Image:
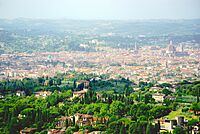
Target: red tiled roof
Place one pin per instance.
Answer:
(28, 130)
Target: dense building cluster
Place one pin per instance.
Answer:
(171, 64)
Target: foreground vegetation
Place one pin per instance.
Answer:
(127, 110)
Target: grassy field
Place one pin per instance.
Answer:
(187, 115)
(186, 99)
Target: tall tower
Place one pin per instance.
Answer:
(166, 64)
(171, 50)
(136, 46)
(170, 43)
(182, 49)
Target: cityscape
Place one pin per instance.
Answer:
(100, 67)
(148, 63)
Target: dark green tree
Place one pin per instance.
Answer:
(179, 130)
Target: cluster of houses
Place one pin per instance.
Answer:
(67, 121)
(78, 119)
(38, 94)
(179, 121)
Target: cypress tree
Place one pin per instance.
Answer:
(148, 129)
(122, 130)
(198, 92)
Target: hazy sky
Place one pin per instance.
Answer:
(101, 9)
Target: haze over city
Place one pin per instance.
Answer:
(99, 66)
(100, 9)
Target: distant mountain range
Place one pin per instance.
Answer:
(55, 35)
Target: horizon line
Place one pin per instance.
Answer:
(152, 19)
